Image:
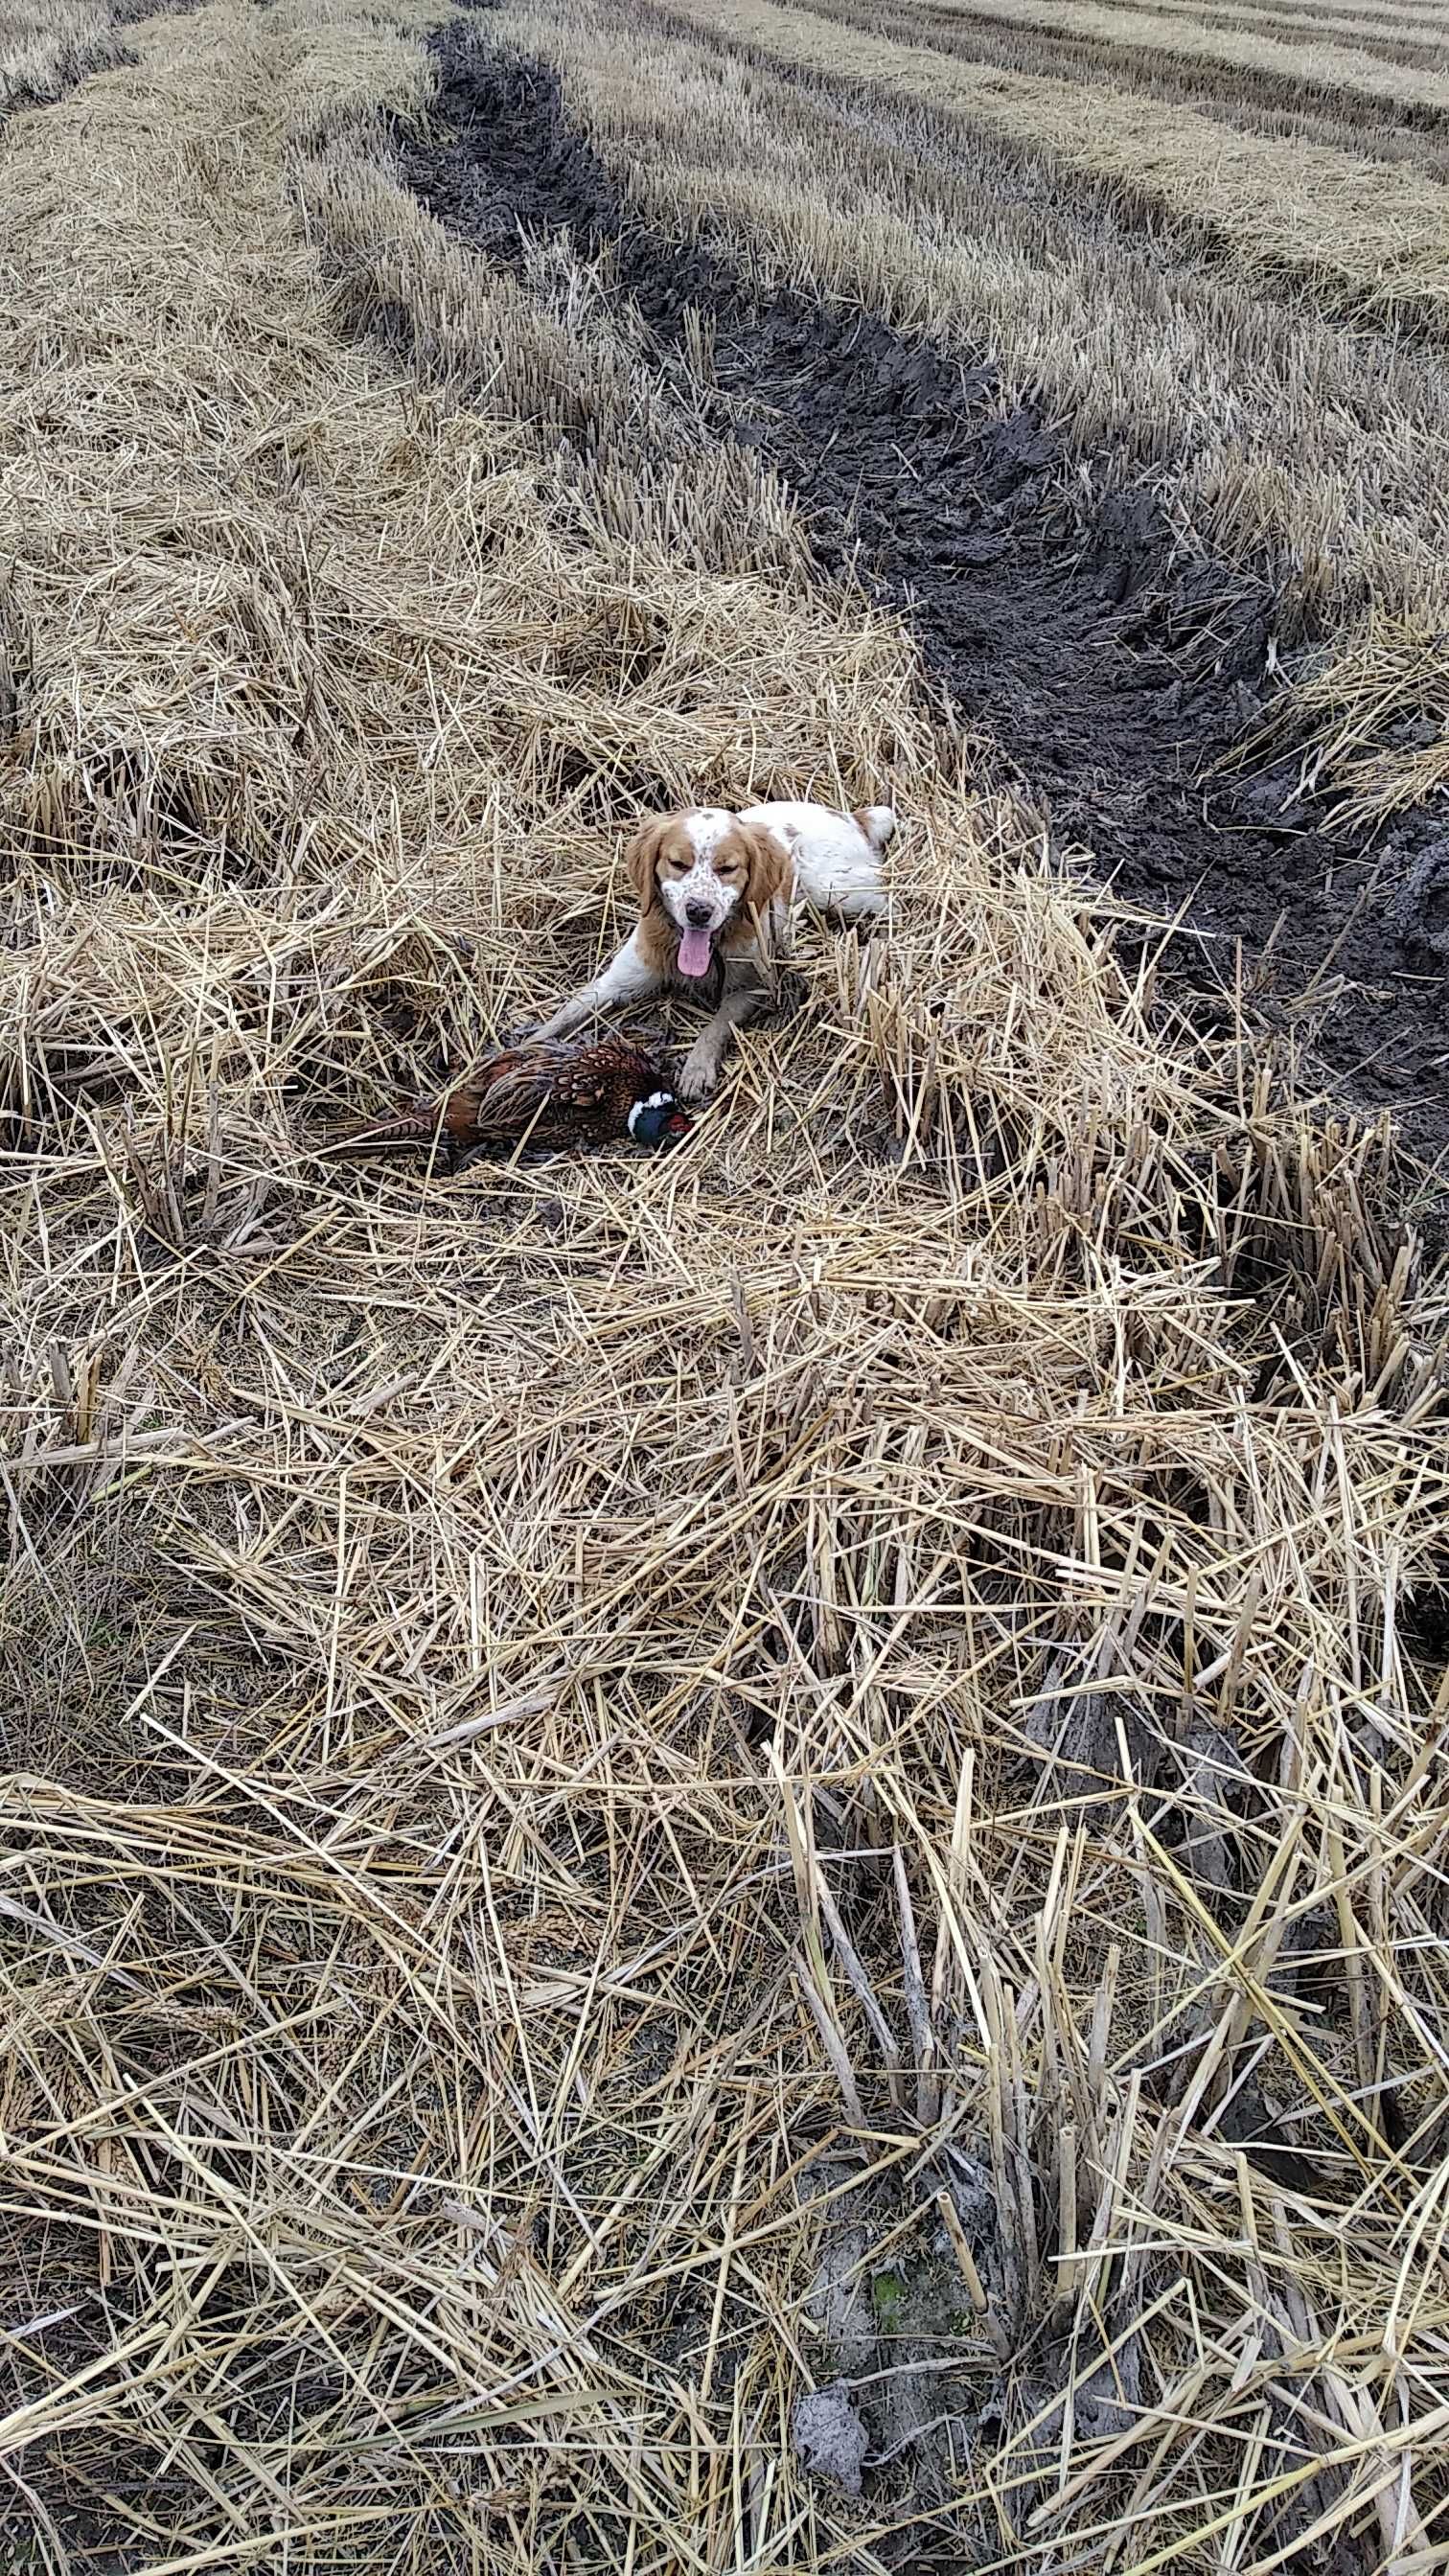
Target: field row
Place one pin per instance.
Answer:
(1364, 236)
(1407, 80)
(1305, 21)
(1359, 106)
(1186, 305)
(47, 44)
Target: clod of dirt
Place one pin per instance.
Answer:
(829, 2437)
(1085, 1737)
(1112, 669)
(1210, 1761)
(1103, 2405)
(1418, 911)
(903, 2330)
(838, 2304)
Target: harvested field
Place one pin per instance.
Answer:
(1368, 240)
(1135, 296)
(1298, 84)
(1383, 72)
(725, 1862)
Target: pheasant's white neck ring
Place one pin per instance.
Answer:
(656, 1100)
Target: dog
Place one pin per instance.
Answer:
(716, 891)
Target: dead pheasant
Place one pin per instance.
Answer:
(542, 1094)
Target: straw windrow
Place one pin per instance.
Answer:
(47, 45)
(641, 1788)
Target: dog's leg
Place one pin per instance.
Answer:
(701, 1067)
(628, 978)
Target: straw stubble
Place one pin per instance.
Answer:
(637, 1785)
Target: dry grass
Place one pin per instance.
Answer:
(1308, 13)
(1307, 18)
(1347, 715)
(1378, 26)
(635, 1785)
(1365, 17)
(45, 45)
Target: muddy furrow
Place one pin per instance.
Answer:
(1111, 671)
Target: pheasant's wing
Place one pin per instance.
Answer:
(597, 1089)
(619, 1060)
(513, 1089)
(556, 1091)
(617, 1071)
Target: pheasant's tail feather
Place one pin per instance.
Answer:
(416, 1124)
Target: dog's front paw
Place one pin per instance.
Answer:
(697, 1076)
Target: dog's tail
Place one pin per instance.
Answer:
(878, 823)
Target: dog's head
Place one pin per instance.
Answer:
(706, 873)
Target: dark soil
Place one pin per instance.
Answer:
(1108, 667)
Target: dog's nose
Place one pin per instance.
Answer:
(698, 915)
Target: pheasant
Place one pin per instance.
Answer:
(541, 1094)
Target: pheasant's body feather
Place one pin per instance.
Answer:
(546, 1094)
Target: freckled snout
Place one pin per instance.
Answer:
(698, 915)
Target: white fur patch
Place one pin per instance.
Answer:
(837, 865)
(705, 830)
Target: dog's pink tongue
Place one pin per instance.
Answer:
(694, 952)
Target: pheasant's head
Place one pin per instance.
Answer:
(658, 1120)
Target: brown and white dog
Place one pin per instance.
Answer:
(716, 892)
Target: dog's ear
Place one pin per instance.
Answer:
(770, 871)
(641, 859)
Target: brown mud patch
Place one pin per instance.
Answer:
(1111, 670)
